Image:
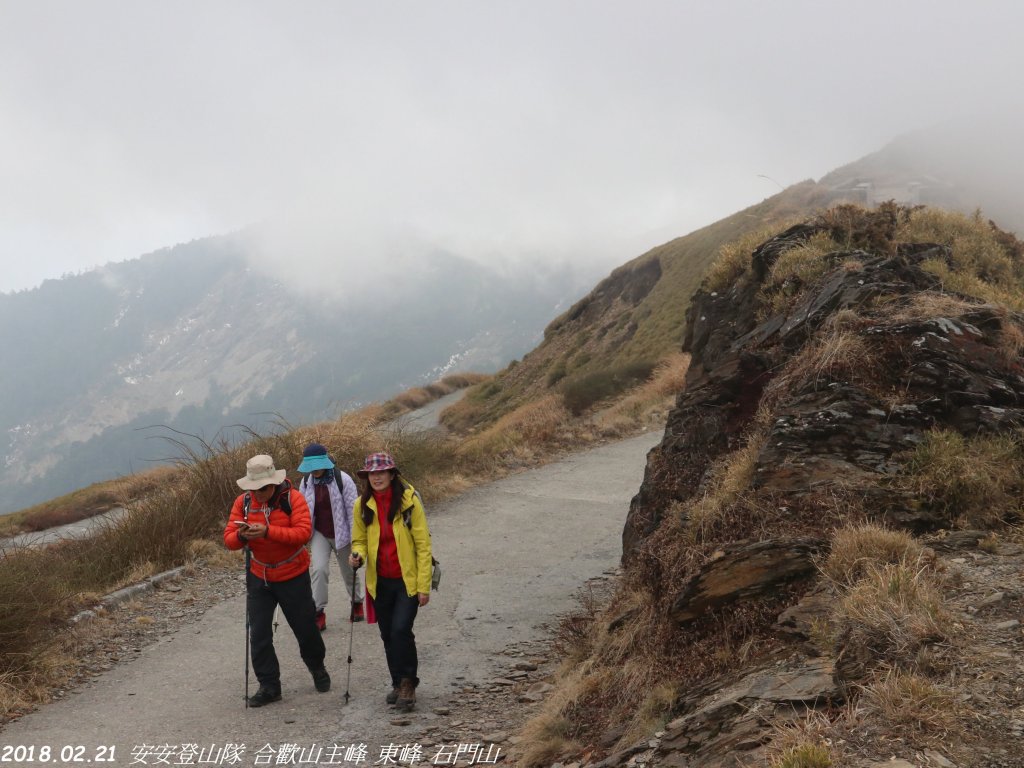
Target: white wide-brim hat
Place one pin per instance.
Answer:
(259, 471)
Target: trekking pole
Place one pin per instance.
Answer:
(248, 555)
(351, 631)
(246, 506)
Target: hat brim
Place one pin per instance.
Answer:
(246, 484)
(364, 473)
(313, 463)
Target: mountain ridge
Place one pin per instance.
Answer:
(194, 338)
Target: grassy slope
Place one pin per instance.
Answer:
(614, 326)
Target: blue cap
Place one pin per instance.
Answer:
(315, 457)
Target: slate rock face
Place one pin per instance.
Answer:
(746, 570)
(830, 430)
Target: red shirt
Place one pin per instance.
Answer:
(388, 566)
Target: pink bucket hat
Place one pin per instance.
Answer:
(377, 462)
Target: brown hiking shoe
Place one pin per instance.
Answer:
(406, 694)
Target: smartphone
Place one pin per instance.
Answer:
(241, 523)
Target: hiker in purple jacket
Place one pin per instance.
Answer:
(331, 494)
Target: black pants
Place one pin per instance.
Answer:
(295, 596)
(396, 612)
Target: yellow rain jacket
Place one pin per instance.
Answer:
(413, 542)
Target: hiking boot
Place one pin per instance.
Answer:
(321, 680)
(406, 695)
(321, 621)
(357, 612)
(392, 697)
(265, 695)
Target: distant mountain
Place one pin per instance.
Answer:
(636, 314)
(193, 338)
(961, 165)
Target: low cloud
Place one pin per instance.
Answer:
(500, 132)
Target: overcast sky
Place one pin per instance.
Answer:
(498, 130)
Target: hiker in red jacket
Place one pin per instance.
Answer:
(272, 519)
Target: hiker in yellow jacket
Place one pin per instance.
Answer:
(390, 535)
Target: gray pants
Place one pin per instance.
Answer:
(319, 569)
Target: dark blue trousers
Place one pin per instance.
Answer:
(396, 612)
(295, 596)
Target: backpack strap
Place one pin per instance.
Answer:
(407, 512)
(284, 503)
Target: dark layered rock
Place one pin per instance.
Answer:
(831, 431)
(722, 729)
(743, 571)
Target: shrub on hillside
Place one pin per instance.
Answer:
(556, 373)
(581, 393)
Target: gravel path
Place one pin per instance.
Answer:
(75, 530)
(515, 552)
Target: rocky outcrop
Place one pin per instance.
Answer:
(830, 395)
(837, 427)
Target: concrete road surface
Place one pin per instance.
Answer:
(514, 554)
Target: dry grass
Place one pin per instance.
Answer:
(520, 433)
(734, 257)
(891, 614)
(835, 355)
(927, 304)
(856, 548)
(975, 482)
(985, 262)
(545, 426)
(732, 476)
(806, 755)
(795, 269)
(910, 701)
(103, 496)
(989, 544)
(977, 247)
(1010, 342)
(646, 403)
(546, 736)
(966, 284)
(85, 502)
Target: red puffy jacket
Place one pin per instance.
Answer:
(282, 554)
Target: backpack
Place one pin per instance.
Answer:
(435, 570)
